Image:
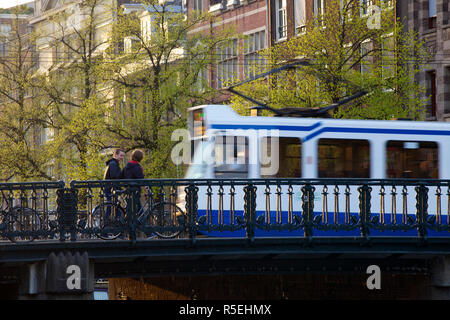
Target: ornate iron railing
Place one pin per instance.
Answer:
(28, 210)
(250, 208)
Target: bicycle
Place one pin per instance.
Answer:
(110, 218)
(18, 222)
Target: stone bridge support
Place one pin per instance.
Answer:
(440, 278)
(65, 276)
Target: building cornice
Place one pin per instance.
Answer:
(46, 14)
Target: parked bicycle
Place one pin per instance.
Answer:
(164, 218)
(18, 223)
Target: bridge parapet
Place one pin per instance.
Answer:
(28, 210)
(245, 208)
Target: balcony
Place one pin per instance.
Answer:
(216, 5)
(231, 4)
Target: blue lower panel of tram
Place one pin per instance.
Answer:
(342, 226)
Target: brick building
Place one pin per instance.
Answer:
(275, 21)
(235, 60)
(431, 19)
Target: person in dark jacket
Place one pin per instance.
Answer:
(133, 169)
(112, 171)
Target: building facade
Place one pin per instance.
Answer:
(431, 20)
(270, 22)
(235, 60)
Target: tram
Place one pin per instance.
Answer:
(229, 146)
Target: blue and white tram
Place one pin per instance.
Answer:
(227, 145)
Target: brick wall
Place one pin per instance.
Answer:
(437, 40)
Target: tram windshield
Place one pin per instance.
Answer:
(199, 167)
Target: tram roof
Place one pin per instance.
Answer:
(225, 115)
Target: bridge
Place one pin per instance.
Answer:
(175, 227)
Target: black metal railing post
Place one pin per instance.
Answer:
(364, 209)
(133, 207)
(250, 210)
(191, 210)
(67, 211)
(421, 210)
(308, 209)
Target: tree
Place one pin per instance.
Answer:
(347, 53)
(157, 77)
(22, 155)
(90, 95)
(21, 9)
(77, 98)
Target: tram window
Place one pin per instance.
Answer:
(198, 118)
(344, 158)
(412, 159)
(231, 157)
(289, 162)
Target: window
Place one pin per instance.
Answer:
(388, 3)
(131, 44)
(198, 121)
(289, 162)
(231, 157)
(227, 67)
(45, 57)
(2, 49)
(253, 61)
(300, 16)
(281, 20)
(215, 5)
(342, 158)
(198, 169)
(319, 10)
(412, 159)
(432, 12)
(447, 90)
(365, 4)
(366, 50)
(202, 80)
(445, 12)
(388, 57)
(5, 29)
(346, 8)
(198, 5)
(431, 79)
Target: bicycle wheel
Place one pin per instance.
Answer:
(110, 217)
(167, 215)
(21, 219)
